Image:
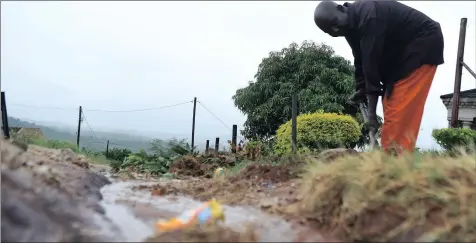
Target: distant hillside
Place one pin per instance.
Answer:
(98, 143)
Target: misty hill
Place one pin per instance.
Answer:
(97, 142)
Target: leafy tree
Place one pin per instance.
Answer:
(321, 80)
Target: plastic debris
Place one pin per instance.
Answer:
(209, 213)
(219, 173)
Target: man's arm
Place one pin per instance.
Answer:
(371, 44)
(358, 73)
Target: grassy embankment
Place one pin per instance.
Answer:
(94, 157)
(375, 197)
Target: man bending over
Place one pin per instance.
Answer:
(396, 52)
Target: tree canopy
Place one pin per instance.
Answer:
(321, 80)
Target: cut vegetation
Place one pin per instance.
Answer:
(380, 198)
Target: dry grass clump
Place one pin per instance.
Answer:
(206, 233)
(375, 197)
(191, 166)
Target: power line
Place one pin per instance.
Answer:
(90, 129)
(93, 142)
(98, 110)
(147, 109)
(213, 115)
(43, 107)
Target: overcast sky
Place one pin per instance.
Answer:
(135, 55)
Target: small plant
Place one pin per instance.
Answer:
(157, 161)
(252, 149)
(117, 154)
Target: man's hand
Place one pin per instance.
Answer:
(357, 97)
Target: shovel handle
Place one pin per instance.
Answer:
(373, 139)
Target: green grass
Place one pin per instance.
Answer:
(94, 157)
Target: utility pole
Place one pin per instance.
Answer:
(294, 123)
(234, 135)
(193, 122)
(207, 145)
(5, 127)
(217, 144)
(80, 119)
(107, 148)
(458, 73)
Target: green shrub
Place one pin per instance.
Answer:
(452, 139)
(143, 162)
(117, 154)
(317, 131)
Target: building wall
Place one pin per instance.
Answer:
(467, 112)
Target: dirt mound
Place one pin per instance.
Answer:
(159, 189)
(50, 195)
(264, 172)
(332, 154)
(200, 166)
(190, 166)
(374, 197)
(215, 233)
(59, 156)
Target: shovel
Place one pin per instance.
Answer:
(372, 131)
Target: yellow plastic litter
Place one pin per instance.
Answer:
(219, 173)
(208, 213)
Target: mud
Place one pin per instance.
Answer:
(264, 173)
(56, 195)
(214, 233)
(200, 166)
(51, 195)
(251, 186)
(239, 219)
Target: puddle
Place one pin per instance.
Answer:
(270, 228)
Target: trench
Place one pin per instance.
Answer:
(134, 212)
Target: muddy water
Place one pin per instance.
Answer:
(136, 222)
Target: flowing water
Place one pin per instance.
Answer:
(136, 227)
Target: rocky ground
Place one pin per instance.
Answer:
(51, 195)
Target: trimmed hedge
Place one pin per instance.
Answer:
(318, 131)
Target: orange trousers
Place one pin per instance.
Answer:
(403, 110)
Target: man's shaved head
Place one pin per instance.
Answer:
(331, 18)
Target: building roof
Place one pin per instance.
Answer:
(470, 93)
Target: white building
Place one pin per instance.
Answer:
(467, 107)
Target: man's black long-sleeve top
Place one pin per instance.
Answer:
(389, 40)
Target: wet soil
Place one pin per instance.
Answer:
(56, 195)
(149, 207)
(51, 195)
